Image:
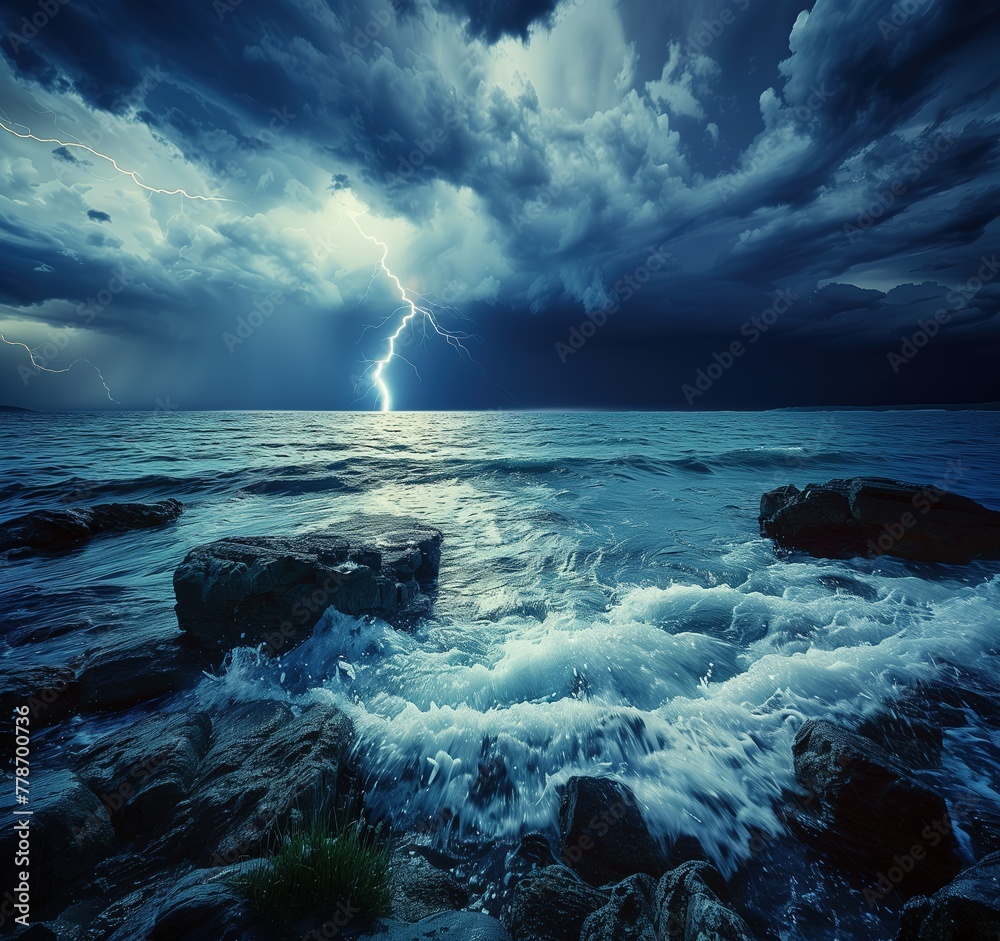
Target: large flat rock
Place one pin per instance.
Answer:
(244, 591)
(873, 516)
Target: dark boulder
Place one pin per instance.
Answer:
(967, 909)
(58, 530)
(872, 516)
(552, 904)
(273, 590)
(134, 667)
(421, 889)
(868, 809)
(237, 803)
(630, 914)
(143, 771)
(447, 926)
(691, 905)
(50, 693)
(69, 833)
(603, 836)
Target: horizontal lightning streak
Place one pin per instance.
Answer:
(129, 173)
(43, 368)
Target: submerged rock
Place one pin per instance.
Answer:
(273, 590)
(967, 909)
(873, 516)
(870, 810)
(56, 530)
(603, 835)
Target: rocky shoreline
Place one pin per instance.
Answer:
(149, 831)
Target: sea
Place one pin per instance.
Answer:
(606, 605)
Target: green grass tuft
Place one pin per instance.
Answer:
(313, 866)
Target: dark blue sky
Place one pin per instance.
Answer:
(708, 204)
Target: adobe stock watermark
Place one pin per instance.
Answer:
(710, 30)
(364, 35)
(46, 11)
(43, 357)
(623, 290)
(922, 503)
(928, 329)
(819, 95)
(752, 329)
(423, 149)
(902, 13)
(887, 198)
(263, 308)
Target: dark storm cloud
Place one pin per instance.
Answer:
(850, 145)
(491, 19)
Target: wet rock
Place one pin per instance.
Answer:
(903, 731)
(273, 590)
(967, 909)
(421, 890)
(873, 516)
(691, 906)
(867, 808)
(552, 904)
(238, 801)
(69, 834)
(133, 668)
(50, 693)
(58, 530)
(603, 836)
(143, 771)
(448, 926)
(630, 914)
(202, 905)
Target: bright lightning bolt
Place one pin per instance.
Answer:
(412, 311)
(129, 173)
(41, 367)
(134, 176)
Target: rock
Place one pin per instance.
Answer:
(630, 914)
(904, 733)
(967, 909)
(201, 905)
(690, 902)
(143, 771)
(873, 516)
(38, 932)
(237, 803)
(50, 693)
(552, 904)
(420, 889)
(603, 836)
(207, 911)
(448, 926)
(133, 668)
(869, 809)
(58, 530)
(265, 589)
(69, 834)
